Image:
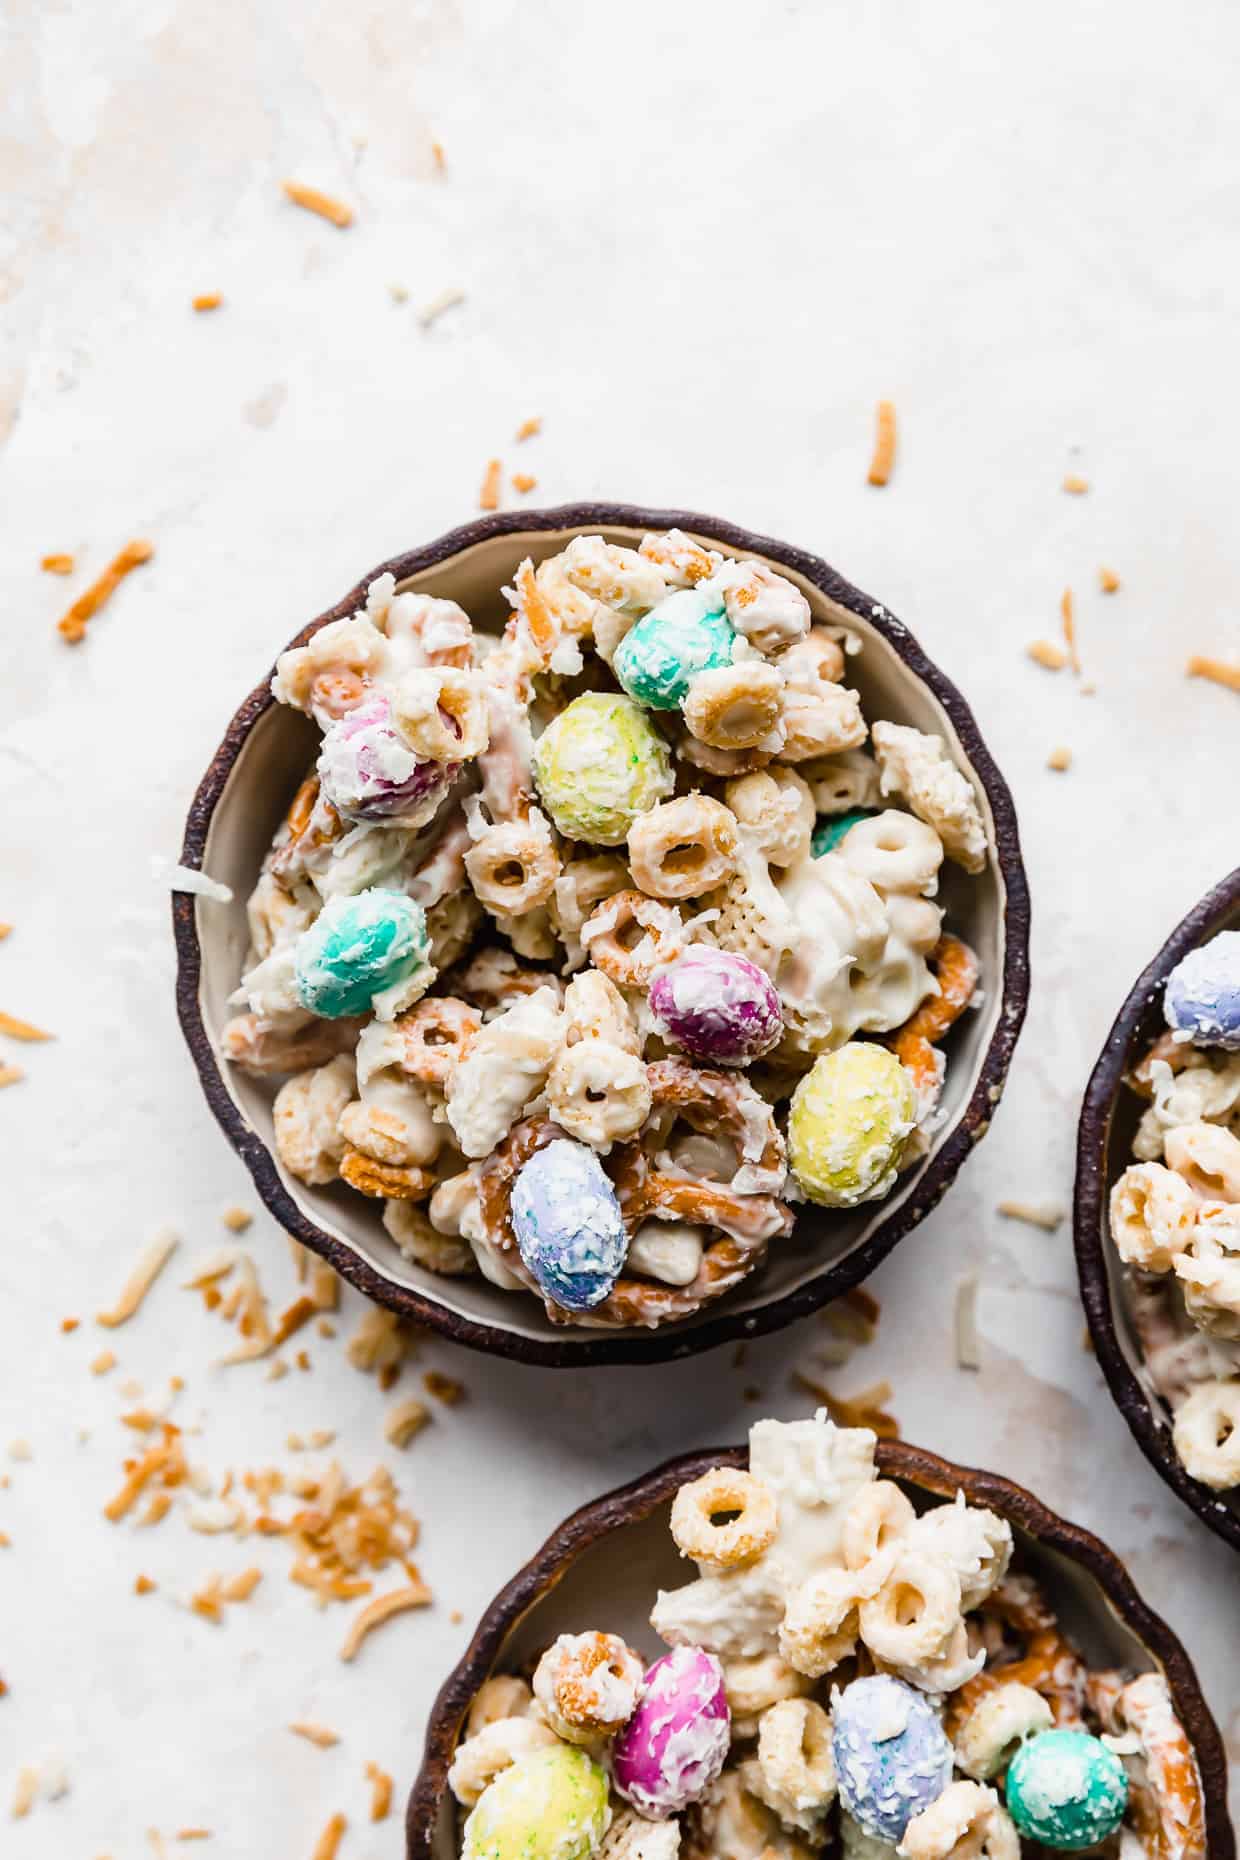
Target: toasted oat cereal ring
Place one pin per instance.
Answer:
(820, 1624)
(598, 1092)
(419, 1240)
(435, 1034)
(503, 1695)
(588, 1685)
(777, 809)
(684, 847)
(385, 1181)
(630, 935)
(1152, 1215)
(956, 969)
(754, 1683)
(498, 1745)
(513, 865)
(1206, 1432)
(336, 691)
(895, 851)
(735, 706)
(441, 712)
(1208, 1158)
(878, 1515)
(818, 659)
(949, 1669)
(989, 1734)
(724, 1519)
(1166, 1806)
(821, 722)
(914, 1612)
(795, 1757)
(594, 1009)
(684, 563)
(966, 1822)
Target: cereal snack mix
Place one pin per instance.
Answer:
(845, 1675)
(1175, 1211)
(593, 950)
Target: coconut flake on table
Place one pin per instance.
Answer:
(186, 878)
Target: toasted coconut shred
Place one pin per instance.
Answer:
(968, 1344)
(884, 455)
(11, 1075)
(147, 1268)
(1067, 614)
(405, 1420)
(380, 1792)
(431, 312)
(72, 625)
(314, 201)
(1075, 485)
(1108, 581)
(1218, 671)
(57, 564)
(1060, 759)
(317, 1734)
(1035, 1214)
(529, 429)
(236, 1219)
(22, 1029)
(444, 1388)
(383, 1608)
(522, 482)
(207, 300)
(1046, 653)
(489, 495)
(328, 1844)
(862, 1410)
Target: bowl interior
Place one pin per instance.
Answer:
(274, 758)
(1109, 1126)
(610, 1581)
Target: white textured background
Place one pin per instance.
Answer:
(700, 240)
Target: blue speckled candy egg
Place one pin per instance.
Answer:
(892, 1757)
(1203, 993)
(567, 1222)
(685, 634)
(1066, 1790)
(831, 828)
(357, 947)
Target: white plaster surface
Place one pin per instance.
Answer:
(701, 240)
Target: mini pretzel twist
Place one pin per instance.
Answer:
(956, 969)
(1050, 1665)
(626, 958)
(311, 825)
(588, 1686)
(385, 1181)
(1153, 1211)
(966, 1822)
(736, 1539)
(915, 1612)
(482, 1757)
(990, 1733)
(878, 1516)
(513, 865)
(684, 847)
(441, 712)
(737, 706)
(1166, 1804)
(434, 1035)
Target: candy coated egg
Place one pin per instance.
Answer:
(550, 1805)
(357, 947)
(685, 634)
(369, 772)
(1066, 1790)
(568, 1224)
(1202, 998)
(850, 1116)
(716, 1006)
(831, 829)
(674, 1745)
(600, 764)
(892, 1757)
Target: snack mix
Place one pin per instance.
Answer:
(592, 948)
(846, 1674)
(1175, 1213)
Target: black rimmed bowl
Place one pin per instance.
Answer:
(246, 791)
(604, 1565)
(1108, 1124)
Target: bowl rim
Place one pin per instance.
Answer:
(1091, 1229)
(937, 1173)
(896, 1459)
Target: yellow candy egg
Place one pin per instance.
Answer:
(600, 764)
(850, 1117)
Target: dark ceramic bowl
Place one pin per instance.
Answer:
(620, 1548)
(1108, 1123)
(246, 791)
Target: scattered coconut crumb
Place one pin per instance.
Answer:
(193, 1834)
(1035, 1214)
(207, 300)
(489, 495)
(6, 1542)
(862, 1410)
(22, 1029)
(143, 1585)
(529, 429)
(70, 1324)
(1045, 652)
(405, 1420)
(147, 1268)
(1218, 671)
(314, 201)
(380, 1792)
(431, 312)
(384, 1608)
(438, 157)
(72, 625)
(444, 1388)
(105, 1360)
(1108, 581)
(5, 930)
(20, 1450)
(236, 1219)
(399, 293)
(11, 1075)
(328, 1844)
(522, 482)
(380, 1343)
(1067, 613)
(240, 1588)
(318, 1734)
(1075, 485)
(884, 455)
(1060, 759)
(57, 564)
(968, 1346)
(188, 879)
(25, 1791)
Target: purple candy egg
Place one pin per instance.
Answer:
(369, 772)
(717, 1006)
(674, 1745)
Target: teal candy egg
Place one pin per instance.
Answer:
(357, 947)
(685, 634)
(831, 828)
(1066, 1790)
(551, 1805)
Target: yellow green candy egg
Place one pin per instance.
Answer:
(600, 764)
(847, 1127)
(551, 1805)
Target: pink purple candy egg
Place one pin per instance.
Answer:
(369, 772)
(716, 1006)
(674, 1745)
